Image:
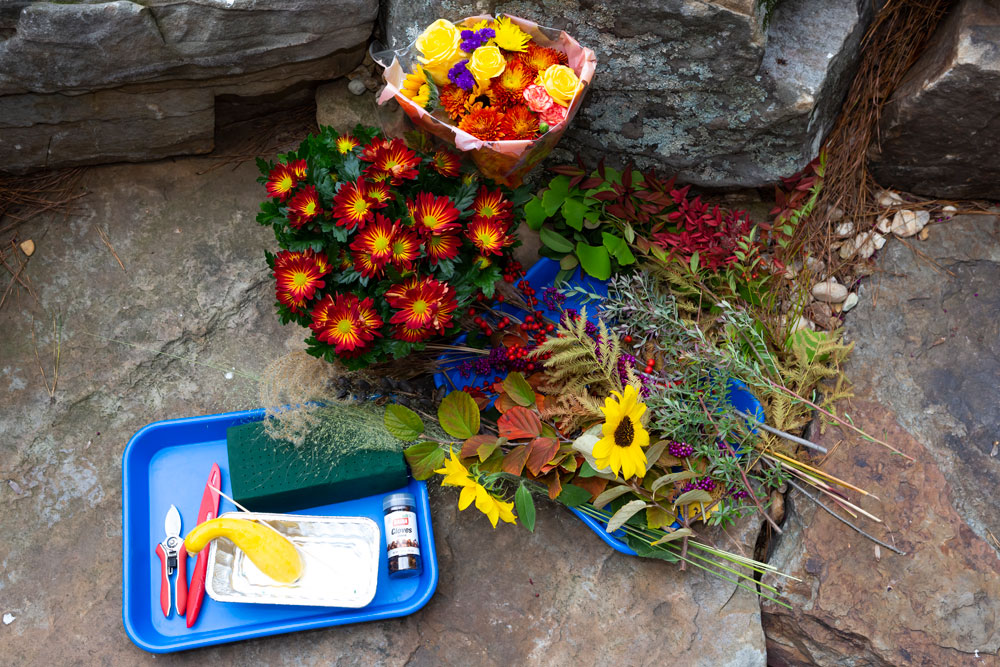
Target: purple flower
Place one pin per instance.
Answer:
(472, 40)
(460, 75)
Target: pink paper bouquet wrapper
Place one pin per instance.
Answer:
(505, 162)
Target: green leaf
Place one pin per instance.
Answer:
(518, 389)
(554, 197)
(610, 494)
(676, 535)
(525, 506)
(459, 415)
(806, 344)
(618, 248)
(534, 213)
(424, 459)
(595, 260)
(627, 511)
(403, 422)
(573, 211)
(654, 453)
(586, 470)
(695, 258)
(573, 496)
(485, 451)
(693, 496)
(555, 240)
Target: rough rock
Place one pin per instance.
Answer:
(83, 83)
(196, 287)
(829, 292)
(851, 301)
(939, 128)
(338, 107)
(925, 368)
(908, 223)
(700, 88)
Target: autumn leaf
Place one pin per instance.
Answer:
(540, 452)
(519, 422)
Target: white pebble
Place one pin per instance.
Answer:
(883, 225)
(909, 223)
(829, 292)
(889, 198)
(8, 618)
(835, 214)
(844, 229)
(229, 375)
(948, 211)
(357, 86)
(850, 301)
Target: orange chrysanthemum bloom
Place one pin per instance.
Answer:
(455, 101)
(540, 58)
(434, 215)
(404, 249)
(483, 123)
(351, 207)
(346, 143)
(491, 205)
(446, 163)
(444, 246)
(280, 182)
(507, 88)
(519, 123)
(375, 240)
(395, 163)
(489, 236)
(297, 277)
(339, 322)
(303, 207)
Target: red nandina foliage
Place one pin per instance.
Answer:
(712, 232)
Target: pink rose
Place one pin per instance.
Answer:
(554, 115)
(538, 98)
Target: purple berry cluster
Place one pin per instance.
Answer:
(460, 75)
(552, 299)
(680, 449)
(737, 493)
(705, 484)
(473, 39)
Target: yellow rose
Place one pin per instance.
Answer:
(561, 83)
(486, 62)
(441, 47)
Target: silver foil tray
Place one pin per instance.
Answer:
(340, 558)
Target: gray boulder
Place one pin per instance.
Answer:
(940, 129)
(701, 88)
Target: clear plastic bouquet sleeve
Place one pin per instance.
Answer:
(506, 162)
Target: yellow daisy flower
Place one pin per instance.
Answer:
(456, 474)
(509, 37)
(415, 87)
(624, 435)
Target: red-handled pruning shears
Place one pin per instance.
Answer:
(173, 556)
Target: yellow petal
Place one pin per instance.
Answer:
(506, 511)
(466, 497)
(628, 399)
(603, 446)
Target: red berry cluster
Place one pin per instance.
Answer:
(512, 271)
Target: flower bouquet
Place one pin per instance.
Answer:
(503, 89)
(380, 244)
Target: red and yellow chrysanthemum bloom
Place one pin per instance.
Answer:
(404, 248)
(351, 206)
(491, 205)
(376, 239)
(280, 182)
(483, 123)
(346, 143)
(369, 317)
(434, 215)
(446, 163)
(425, 308)
(443, 246)
(340, 323)
(299, 169)
(519, 124)
(378, 194)
(303, 207)
(371, 149)
(507, 88)
(297, 277)
(489, 236)
(540, 58)
(393, 162)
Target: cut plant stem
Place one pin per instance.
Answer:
(780, 433)
(826, 475)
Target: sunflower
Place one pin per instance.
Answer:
(456, 474)
(404, 248)
(303, 207)
(540, 58)
(339, 323)
(507, 88)
(351, 207)
(455, 101)
(376, 239)
(280, 182)
(624, 436)
(415, 87)
(489, 236)
(395, 163)
(491, 205)
(446, 163)
(483, 123)
(442, 246)
(297, 277)
(434, 215)
(519, 123)
(509, 36)
(346, 143)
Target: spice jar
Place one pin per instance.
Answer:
(401, 541)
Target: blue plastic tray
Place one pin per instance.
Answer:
(168, 462)
(542, 275)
